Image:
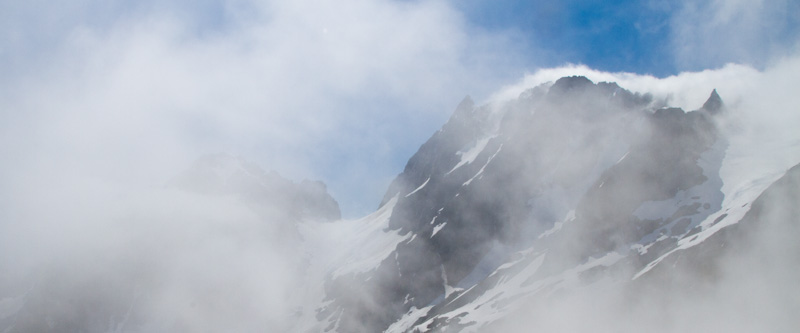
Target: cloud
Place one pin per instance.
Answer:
(96, 115)
(705, 34)
(760, 112)
(103, 103)
(747, 287)
(750, 291)
(298, 87)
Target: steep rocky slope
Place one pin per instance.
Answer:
(572, 184)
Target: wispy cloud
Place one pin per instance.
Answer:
(100, 104)
(303, 87)
(706, 34)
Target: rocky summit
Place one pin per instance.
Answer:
(572, 185)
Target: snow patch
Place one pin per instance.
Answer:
(558, 225)
(623, 157)
(448, 289)
(484, 309)
(408, 319)
(418, 188)
(472, 153)
(513, 288)
(437, 228)
(749, 167)
(480, 172)
(366, 242)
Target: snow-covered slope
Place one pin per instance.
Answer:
(573, 185)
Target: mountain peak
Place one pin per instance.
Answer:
(464, 109)
(714, 103)
(466, 103)
(569, 83)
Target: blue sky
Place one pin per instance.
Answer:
(609, 35)
(128, 93)
(634, 36)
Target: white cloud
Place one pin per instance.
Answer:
(760, 103)
(751, 291)
(708, 33)
(142, 95)
(97, 114)
(103, 111)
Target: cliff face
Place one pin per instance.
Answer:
(572, 179)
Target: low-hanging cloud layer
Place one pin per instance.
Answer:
(97, 114)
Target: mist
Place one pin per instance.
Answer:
(739, 282)
(591, 208)
(102, 106)
(744, 288)
(295, 87)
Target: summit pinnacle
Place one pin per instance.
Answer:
(714, 103)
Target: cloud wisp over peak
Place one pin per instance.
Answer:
(102, 104)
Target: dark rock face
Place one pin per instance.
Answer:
(494, 180)
(714, 103)
(656, 168)
(743, 255)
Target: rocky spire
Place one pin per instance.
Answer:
(713, 104)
